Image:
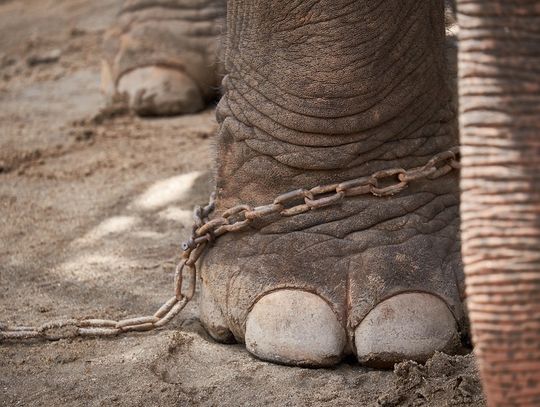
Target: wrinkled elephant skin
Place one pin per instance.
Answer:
(319, 92)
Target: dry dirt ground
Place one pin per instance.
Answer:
(91, 216)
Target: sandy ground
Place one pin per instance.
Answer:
(91, 216)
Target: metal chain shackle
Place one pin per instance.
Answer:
(238, 218)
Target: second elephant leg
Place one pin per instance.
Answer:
(163, 55)
(319, 92)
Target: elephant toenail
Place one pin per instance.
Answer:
(295, 327)
(408, 326)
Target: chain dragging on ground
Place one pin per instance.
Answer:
(238, 218)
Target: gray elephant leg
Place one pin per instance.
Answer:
(163, 54)
(499, 87)
(318, 92)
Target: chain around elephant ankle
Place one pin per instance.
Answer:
(238, 218)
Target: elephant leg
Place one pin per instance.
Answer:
(163, 55)
(499, 88)
(318, 92)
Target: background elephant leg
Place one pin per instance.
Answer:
(499, 87)
(163, 55)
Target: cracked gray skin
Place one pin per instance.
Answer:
(317, 92)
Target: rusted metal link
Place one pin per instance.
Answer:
(390, 189)
(70, 328)
(238, 226)
(235, 210)
(175, 310)
(358, 186)
(359, 190)
(416, 174)
(325, 201)
(263, 211)
(101, 332)
(456, 165)
(56, 324)
(178, 276)
(238, 218)
(198, 219)
(18, 334)
(289, 196)
(295, 210)
(390, 175)
(166, 307)
(324, 189)
(439, 172)
(211, 225)
(136, 321)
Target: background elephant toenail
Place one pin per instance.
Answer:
(156, 90)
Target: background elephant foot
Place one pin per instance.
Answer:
(158, 91)
(162, 59)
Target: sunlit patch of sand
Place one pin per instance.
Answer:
(177, 214)
(166, 191)
(148, 234)
(86, 267)
(113, 225)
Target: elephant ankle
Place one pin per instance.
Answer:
(254, 166)
(293, 116)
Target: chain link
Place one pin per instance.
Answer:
(238, 218)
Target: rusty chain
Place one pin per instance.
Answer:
(238, 218)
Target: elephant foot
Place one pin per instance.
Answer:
(157, 91)
(378, 279)
(154, 62)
